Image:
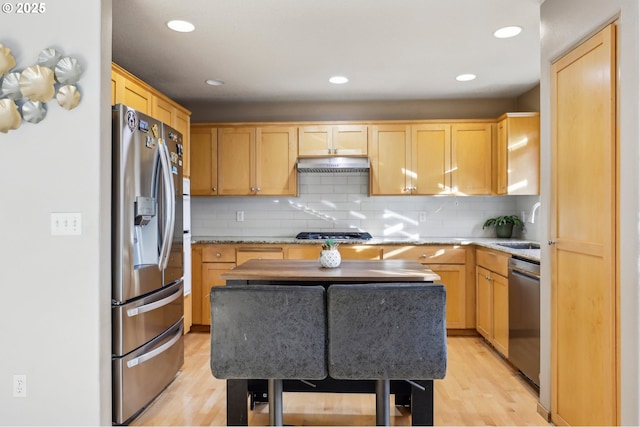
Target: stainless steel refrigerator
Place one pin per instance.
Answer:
(147, 260)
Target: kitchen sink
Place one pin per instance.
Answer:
(520, 245)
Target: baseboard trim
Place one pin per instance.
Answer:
(543, 412)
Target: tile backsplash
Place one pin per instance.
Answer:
(340, 201)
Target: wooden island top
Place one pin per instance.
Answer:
(356, 271)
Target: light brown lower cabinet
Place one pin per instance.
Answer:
(453, 263)
(450, 263)
(208, 263)
(244, 254)
(492, 298)
(346, 252)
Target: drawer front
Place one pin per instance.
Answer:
(428, 254)
(258, 253)
(494, 261)
(218, 253)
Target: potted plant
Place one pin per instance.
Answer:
(330, 256)
(504, 224)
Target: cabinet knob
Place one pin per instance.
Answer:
(551, 242)
(214, 188)
(335, 151)
(258, 189)
(253, 189)
(423, 256)
(218, 254)
(329, 151)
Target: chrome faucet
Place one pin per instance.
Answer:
(534, 208)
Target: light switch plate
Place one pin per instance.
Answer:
(66, 223)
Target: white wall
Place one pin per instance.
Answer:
(340, 201)
(56, 290)
(564, 24)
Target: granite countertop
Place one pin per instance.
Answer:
(487, 242)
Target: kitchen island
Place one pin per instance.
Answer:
(270, 271)
(354, 272)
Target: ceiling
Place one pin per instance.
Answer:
(286, 50)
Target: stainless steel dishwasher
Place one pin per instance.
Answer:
(524, 317)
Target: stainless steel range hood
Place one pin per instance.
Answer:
(333, 164)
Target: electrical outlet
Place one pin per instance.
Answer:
(19, 386)
(240, 216)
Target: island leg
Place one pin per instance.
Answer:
(237, 413)
(422, 404)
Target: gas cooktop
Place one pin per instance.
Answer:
(335, 235)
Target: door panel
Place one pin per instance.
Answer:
(584, 374)
(431, 157)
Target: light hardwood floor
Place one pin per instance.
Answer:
(480, 388)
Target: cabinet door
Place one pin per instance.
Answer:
(349, 140)
(431, 158)
(471, 158)
(390, 153)
(182, 122)
(484, 301)
(501, 169)
(500, 300)
(236, 161)
(523, 154)
(211, 272)
(134, 95)
(204, 161)
(452, 276)
(314, 140)
(114, 88)
(163, 110)
(276, 173)
(585, 256)
(196, 284)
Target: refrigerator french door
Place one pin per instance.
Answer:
(147, 260)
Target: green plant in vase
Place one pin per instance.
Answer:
(330, 245)
(504, 224)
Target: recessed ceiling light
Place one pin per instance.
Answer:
(181, 26)
(214, 82)
(338, 80)
(506, 32)
(465, 77)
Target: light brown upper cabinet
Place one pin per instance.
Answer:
(332, 140)
(257, 161)
(129, 90)
(390, 156)
(204, 160)
(431, 158)
(471, 158)
(517, 154)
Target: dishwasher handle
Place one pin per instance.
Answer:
(523, 272)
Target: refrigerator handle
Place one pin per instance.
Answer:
(154, 305)
(156, 351)
(170, 205)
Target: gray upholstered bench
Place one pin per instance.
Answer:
(386, 331)
(269, 332)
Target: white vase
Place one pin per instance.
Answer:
(330, 258)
